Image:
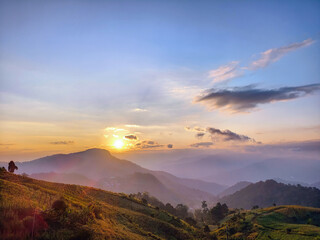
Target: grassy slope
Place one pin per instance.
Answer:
(122, 217)
(272, 223)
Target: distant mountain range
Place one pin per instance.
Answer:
(97, 167)
(265, 194)
(229, 169)
(234, 188)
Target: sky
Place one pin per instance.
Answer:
(135, 76)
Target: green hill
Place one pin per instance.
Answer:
(267, 193)
(90, 213)
(282, 222)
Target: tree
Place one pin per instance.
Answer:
(182, 210)
(12, 167)
(205, 206)
(219, 212)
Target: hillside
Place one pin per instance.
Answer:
(90, 213)
(282, 222)
(234, 188)
(103, 170)
(265, 194)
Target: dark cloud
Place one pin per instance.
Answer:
(62, 142)
(201, 144)
(227, 135)
(200, 135)
(170, 146)
(148, 144)
(131, 137)
(241, 99)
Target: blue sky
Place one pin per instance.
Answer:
(71, 69)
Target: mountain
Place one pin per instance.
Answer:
(294, 170)
(237, 187)
(316, 185)
(110, 173)
(60, 211)
(93, 163)
(202, 166)
(265, 194)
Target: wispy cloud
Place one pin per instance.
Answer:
(139, 110)
(227, 135)
(243, 99)
(233, 69)
(201, 144)
(131, 137)
(62, 142)
(274, 54)
(200, 135)
(148, 144)
(226, 72)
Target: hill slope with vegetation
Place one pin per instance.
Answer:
(61, 211)
(268, 193)
(281, 222)
(99, 168)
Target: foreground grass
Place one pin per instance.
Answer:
(25, 204)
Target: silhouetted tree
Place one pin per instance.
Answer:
(182, 210)
(59, 205)
(219, 212)
(12, 167)
(204, 206)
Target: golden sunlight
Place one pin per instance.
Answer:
(118, 144)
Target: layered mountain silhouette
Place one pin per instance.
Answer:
(270, 192)
(234, 188)
(98, 168)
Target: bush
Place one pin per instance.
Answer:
(59, 205)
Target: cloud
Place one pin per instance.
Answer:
(62, 142)
(195, 129)
(227, 135)
(170, 146)
(131, 137)
(225, 72)
(274, 54)
(201, 144)
(242, 99)
(200, 135)
(139, 110)
(148, 144)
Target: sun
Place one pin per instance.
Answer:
(118, 144)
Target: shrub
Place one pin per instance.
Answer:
(59, 205)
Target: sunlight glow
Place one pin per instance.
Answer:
(118, 144)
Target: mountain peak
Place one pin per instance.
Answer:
(97, 150)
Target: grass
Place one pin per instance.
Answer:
(282, 222)
(23, 199)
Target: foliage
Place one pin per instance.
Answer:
(272, 193)
(63, 211)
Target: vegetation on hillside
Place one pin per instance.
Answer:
(61, 211)
(270, 192)
(34, 209)
(281, 222)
